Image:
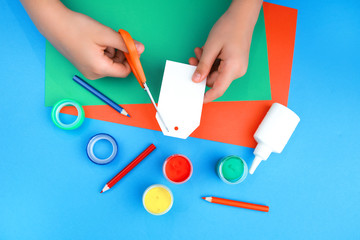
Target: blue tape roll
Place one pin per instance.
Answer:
(93, 141)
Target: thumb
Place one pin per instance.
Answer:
(206, 61)
(113, 39)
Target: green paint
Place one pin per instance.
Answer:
(232, 168)
(169, 30)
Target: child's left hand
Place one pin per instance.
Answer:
(225, 54)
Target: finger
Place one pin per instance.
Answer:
(116, 69)
(212, 78)
(210, 52)
(119, 57)
(139, 47)
(111, 38)
(193, 61)
(110, 52)
(198, 52)
(220, 85)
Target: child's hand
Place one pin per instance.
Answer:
(225, 54)
(95, 50)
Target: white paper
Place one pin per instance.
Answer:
(180, 101)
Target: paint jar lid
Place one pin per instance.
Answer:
(157, 199)
(232, 169)
(177, 168)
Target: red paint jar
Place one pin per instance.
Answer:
(177, 168)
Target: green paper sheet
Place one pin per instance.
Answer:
(169, 30)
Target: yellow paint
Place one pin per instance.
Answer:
(157, 200)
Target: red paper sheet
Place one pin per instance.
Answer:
(228, 122)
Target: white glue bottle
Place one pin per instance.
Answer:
(273, 133)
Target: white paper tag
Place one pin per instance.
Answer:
(180, 101)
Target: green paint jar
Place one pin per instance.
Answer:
(232, 169)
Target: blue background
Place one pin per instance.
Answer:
(50, 190)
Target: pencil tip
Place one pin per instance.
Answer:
(208, 199)
(105, 188)
(125, 113)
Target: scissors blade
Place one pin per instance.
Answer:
(153, 102)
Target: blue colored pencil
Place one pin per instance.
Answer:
(101, 96)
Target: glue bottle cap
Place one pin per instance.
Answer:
(261, 152)
(255, 164)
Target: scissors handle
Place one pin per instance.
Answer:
(133, 57)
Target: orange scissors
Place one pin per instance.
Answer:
(134, 61)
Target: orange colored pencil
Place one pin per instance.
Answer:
(239, 204)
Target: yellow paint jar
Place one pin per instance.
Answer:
(157, 199)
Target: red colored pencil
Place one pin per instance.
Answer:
(239, 204)
(128, 168)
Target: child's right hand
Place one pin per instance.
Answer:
(95, 50)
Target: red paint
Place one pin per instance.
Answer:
(177, 168)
